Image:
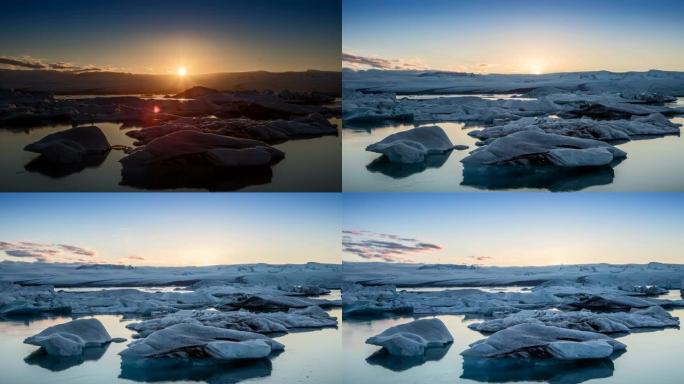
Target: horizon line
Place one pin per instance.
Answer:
(507, 74)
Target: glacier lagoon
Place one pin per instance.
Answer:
(653, 356)
(652, 164)
(571, 131)
(26, 171)
(24, 364)
(293, 173)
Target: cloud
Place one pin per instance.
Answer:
(381, 246)
(368, 61)
(22, 62)
(77, 250)
(56, 253)
(480, 258)
(135, 257)
(361, 62)
(31, 63)
(62, 65)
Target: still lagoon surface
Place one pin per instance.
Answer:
(652, 165)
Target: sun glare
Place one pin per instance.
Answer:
(536, 69)
(182, 71)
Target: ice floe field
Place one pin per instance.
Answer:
(600, 131)
(562, 324)
(224, 324)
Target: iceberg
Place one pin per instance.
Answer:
(192, 341)
(602, 322)
(542, 341)
(539, 148)
(414, 145)
(71, 146)
(16, 300)
(604, 130)
(69, 339)
(259, 322)
(413, 338)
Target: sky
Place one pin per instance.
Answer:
(170, 229)
(521, 36)
(159, 36)
(514, 229)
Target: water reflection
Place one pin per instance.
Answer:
(552, 178)
(209, 371)
(56, 170)
(399, 171)
(551, 370)
(402, 363)
(210, 178)
(61, 363)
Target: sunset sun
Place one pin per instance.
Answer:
(181, 71)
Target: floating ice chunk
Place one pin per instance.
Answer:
(358, 107)
(269, 131)
(231, 350)
(71, 146)
(261, 322)
(589, 157)
(541, 341)
(412, 146)
(70, 338)
(569, 350)
(189, 340)
(372, 301)
(605, 322)
(605, 130)
(608, 301)
(270, 301)
(609, 109)
(16, 300)
(247, 157)
(187, 144)
(531, 147)
(413, 338)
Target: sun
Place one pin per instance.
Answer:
(536, 68)
(182, 71)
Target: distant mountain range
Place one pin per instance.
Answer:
(101, 83)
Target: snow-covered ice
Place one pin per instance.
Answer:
(70, 338)
(71, 146)
(411, 339)
(604, 130)
(187, 340)
(414, 145)
(584, 320)
(260, 322)
(638, 86)
(542, 341)
(539, 148)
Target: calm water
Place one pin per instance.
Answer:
(504, 96)
(309, 165)
(516, 289)
(20, 365)
(651, 165)
(651, 357)
(142, 289)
